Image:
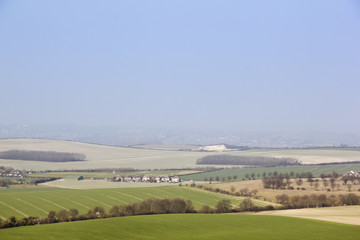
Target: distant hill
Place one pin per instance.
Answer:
(156, 156)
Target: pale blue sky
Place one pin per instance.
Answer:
(258, 65)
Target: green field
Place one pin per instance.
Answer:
(101, 156)
(189, 226)
(38, 201)
(240, 172)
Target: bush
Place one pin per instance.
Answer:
(206, 209)
(223, 206)
(246, 205)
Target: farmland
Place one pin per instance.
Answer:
(73, 183)
(189, 226)
(346, 214)
(241, 172)
(39, 201)
(109, 174)
(270, 194)
(101, 156)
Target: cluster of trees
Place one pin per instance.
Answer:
(46, 156)
(312, 201)
(247, 160)
(225, 206)
(329, 181)
(280, 181)
(5, 182)
(217, 178)
(36, 181)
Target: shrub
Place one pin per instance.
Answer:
(223, 206)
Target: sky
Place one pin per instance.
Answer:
(242, 65)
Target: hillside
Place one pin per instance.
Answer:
(189, 226)
(37, 202)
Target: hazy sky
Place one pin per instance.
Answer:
(245, 65)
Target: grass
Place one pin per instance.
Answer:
(38, 201)
(241, 172)
(188, 226)
(101, 156)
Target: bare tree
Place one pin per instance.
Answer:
(299, 182)
(325, 183)
(332, 183)
(316, 185)
(349, 186)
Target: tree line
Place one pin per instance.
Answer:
(247, 160)
(314, 201)
(45, 156)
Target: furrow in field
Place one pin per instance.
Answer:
(163, 191)
(128, 195)
(80, 204)
(2, 218)
(51, 202)
(152, 195)
(76, 202)
(14, 209)
(32, 205)
(116, 199)
(94, 200)
(201, 203)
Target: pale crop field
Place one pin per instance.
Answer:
(101, 156)
(66, 174)
(93, 184)
(167, 147)
(307, 156)
(98, 156)
(346, 214)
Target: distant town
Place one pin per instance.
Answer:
(151, 179)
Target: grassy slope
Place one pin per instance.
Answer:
(100, 156)
(188, 227)
(30, 202)
(240, 172)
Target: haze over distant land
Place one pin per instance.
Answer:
(124, 137)
(256, 73)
